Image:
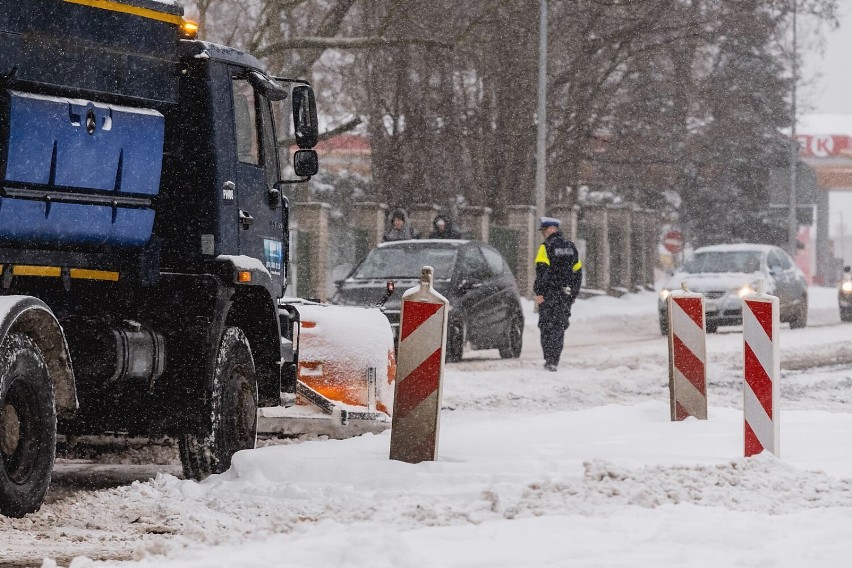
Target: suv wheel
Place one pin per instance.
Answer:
(515, 340)
(455, 341)
(800, 320)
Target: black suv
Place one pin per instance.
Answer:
(485, 308)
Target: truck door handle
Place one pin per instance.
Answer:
(246, 220)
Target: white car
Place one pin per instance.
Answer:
(725, 273)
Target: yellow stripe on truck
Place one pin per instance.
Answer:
(125, 9)
(26, 270)
(86, 274)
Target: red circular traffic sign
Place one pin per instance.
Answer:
(673, 242)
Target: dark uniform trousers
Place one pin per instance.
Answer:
(559, 274)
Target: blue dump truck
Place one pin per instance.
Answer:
(143, 235)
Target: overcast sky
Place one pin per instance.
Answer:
(829, 74)
(831, 71)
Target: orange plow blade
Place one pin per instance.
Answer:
(346, 373)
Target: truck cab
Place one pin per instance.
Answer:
(222, 191)
(143, 234)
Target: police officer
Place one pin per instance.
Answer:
(558, 275)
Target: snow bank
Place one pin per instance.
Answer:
(607, 486)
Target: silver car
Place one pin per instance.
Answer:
(726, 273)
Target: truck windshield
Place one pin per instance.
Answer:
(406, 262)
(746, 261)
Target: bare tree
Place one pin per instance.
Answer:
(645, 98)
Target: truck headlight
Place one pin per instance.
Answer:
(847, 286)
(747, 289)
(665, 293)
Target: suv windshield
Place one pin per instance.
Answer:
(406, 262)
(746, 261)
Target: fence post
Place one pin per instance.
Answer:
(687, 355)
(621, 235)
(596, 266)
(476, 221)
(372, 217)
(419, 373)
(761, 371)
(522, 219)
(651, 242)
(638, 246)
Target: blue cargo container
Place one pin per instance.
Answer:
(78, 173)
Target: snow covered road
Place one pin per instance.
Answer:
(576, 468)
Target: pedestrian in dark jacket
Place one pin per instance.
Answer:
(442, 228)
(558, 275)
(400, 229)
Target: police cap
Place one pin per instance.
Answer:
(546, 222)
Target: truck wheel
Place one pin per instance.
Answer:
(27, 426)
(232, 422)
(515, 339)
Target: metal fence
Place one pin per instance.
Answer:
(302, 264)
(347, 246)
(506, 241)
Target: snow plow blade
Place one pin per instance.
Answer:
(321, 417)
(346, 368)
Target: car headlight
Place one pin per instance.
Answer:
(665, 293)
(846, 286)
(747, 289)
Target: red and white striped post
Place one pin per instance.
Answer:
(419, 373)
(761, 370)
(687, 355)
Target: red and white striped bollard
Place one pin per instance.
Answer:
(687, 355)
(761, 372)
(419, 373)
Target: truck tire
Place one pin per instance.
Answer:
(27, 426)
(232, 424)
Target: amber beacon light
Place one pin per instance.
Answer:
(189, 29)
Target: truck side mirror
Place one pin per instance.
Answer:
(305, 163)
(305, 117)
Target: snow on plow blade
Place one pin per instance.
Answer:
(346, 371)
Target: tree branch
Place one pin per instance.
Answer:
(345, 127)
(309, 42)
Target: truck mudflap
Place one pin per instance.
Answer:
(32, 317)
(346, 366)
